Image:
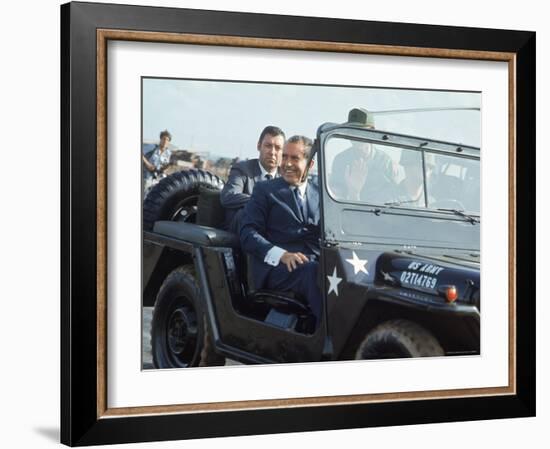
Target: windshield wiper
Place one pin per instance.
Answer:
(458, 212)
(399, 203)
(462, 214)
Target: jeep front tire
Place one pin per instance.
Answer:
(179, 332)
(398, 339)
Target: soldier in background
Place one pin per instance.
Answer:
(410, 190)
(359, 171)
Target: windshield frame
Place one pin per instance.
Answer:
(328, 132)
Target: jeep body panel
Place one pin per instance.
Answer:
(234, 334)
(378, 262)
(385, 261)
(373, 285)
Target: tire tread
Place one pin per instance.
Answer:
(415, 339)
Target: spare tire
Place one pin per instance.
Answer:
(175, 197)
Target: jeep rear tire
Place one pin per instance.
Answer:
(179, 331)
(398, 339)
(175, 197)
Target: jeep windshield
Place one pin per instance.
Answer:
(403, 173)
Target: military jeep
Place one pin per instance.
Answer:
(399, 264)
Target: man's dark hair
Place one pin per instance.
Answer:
(272, 131)
(305, 141)
(165, 133)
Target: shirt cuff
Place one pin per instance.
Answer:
(273, 256)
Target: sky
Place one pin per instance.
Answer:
(225, 118)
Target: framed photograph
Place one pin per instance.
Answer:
(282, 224)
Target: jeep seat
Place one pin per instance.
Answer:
(197, 234)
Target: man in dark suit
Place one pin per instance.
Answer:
(280, 228)
(245, 174)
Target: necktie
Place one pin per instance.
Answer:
(268, 177)
(301, 203)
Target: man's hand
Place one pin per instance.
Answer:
(291, 260)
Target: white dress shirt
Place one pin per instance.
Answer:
(273, 174)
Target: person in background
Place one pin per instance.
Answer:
(410, 190)
(361, 170)
(245, 174)
(156, 160)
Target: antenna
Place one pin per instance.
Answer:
(413, 110)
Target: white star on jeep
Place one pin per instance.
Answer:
(358, 264)
(334, 281)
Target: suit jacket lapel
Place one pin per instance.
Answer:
(285, 197)
(290, 199)
(255, 169)
(253, 175)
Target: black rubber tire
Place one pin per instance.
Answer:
(179, 334)
(175, 197)
(398, 339)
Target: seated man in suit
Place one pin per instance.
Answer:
(245, 174)
(280, 228)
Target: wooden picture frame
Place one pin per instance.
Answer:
(86, 29)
